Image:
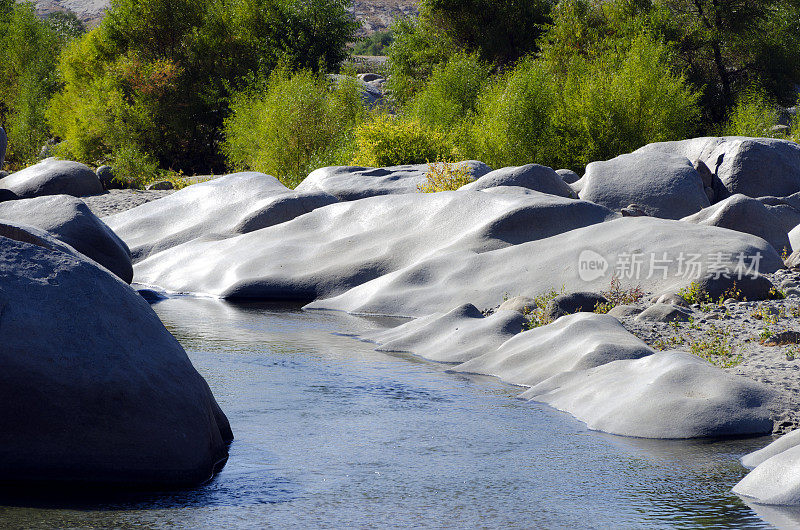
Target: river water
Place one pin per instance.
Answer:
(330, 433)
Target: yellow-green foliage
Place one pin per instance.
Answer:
(445, 176)
(390, 141)
(753, 115)
(298, 123)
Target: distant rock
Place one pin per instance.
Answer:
(661, 184)
(71, 221)
(622, 311)
(531, 176)
(53, 177)
(756, 167)
(453, 337)
(567, 304)
(350, 183)
(568, 176)
(161, 185)
(106, 176)
(664, 313)
(96, 390)
(748, 287)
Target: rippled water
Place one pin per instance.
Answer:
(330, 433)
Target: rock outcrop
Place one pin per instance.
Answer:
(53, 177)
(95, 389)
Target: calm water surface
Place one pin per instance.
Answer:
(330, 433)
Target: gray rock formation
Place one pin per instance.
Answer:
(775, 481)
(453, 337)
(568, 176)
(531, 176)
(567, 304)
(574, 342)
(350, 183)
(755, 167)
(664, 395)
(230, 205)
(664, 185)
(71, 221)
(744, 214)
(95, 389)
(53, 177)
(784, 443)
(664, 313)
(583, 259)
(337, 247)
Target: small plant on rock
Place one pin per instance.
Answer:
(445, 176)
(618, 295)
(537, 316)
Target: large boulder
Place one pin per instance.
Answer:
(95, 389)
(531, 176)
(575, 342)
(350, 183)
(665, 395)
(53, 177)
(229, 205)
(71, 221)
(337, 247)
(640, 250)
(662, 184)
(453, 337)
(744, 214)
(755, 167)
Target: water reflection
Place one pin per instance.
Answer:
(330, 433)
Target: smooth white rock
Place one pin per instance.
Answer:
(531, 269)
(70, 220)
(350, 183)
(452, 337)
(532, 176)
(664, 395)
(53, 177)
(662, 184)
(573, 342)
(776, 481)
(785, 442)
(228, 205)
(337, 247)
(756, 167)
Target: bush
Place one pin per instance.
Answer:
(753, 115)
(451, 94)
(29, 47)
(621, 101)
(297, 123)
(390, 141)
(376, 44)
(588, 108)
(513, 122)
(445, 176)
(156, 76)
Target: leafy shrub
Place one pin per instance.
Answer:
(391, 141)
(512, 125)
(445, 176)
(376, 44)
(156, 76)
(451, 94)
(29, 47)
(620, 101)
(297, 123)
(753, 115)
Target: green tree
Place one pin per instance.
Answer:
(156, 76)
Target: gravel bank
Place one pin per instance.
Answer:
(115, 201)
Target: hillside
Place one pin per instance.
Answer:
(374, 15)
